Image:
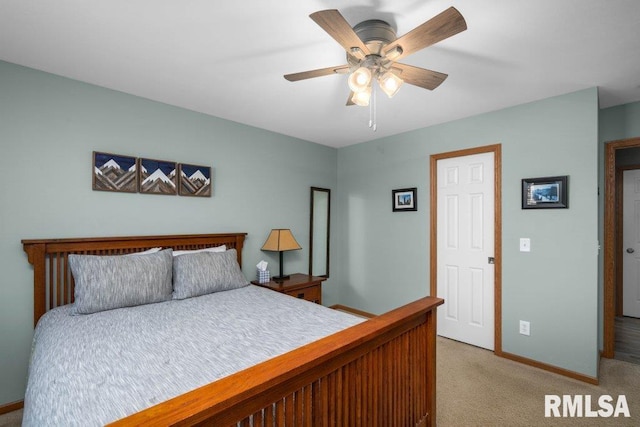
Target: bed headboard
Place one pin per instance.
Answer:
(52, 280)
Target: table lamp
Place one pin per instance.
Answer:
(280, 240)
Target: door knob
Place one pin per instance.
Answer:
(630, 250)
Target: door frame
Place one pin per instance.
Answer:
(611, 239)
(496, 149)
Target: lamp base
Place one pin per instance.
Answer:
(280, 278)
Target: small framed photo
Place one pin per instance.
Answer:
(545, 193)
(405, 199)
(195, 180)
(113, 172)
(157, 177)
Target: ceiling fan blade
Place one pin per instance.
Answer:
(349, 100)
(341, 69)
(440, 27)
(420, 76)
(337, 27)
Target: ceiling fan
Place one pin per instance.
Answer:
(372, 51)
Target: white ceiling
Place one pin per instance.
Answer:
(227, 58)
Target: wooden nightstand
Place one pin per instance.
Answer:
(298, 285)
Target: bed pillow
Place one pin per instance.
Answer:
(221, 248)
(108, 282)
(203, 273)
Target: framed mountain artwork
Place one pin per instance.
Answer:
(157, 177)
(195, 180)
(114, 172)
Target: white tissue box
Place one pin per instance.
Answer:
(263, 276)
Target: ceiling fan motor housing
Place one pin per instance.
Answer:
(375, 34)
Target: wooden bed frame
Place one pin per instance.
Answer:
(380, 372)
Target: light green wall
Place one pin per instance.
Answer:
(620, 122)
(49, 127)
(385, 255)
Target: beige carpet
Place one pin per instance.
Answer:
(477, 388)
(12, 419)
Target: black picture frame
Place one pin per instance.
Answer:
(550, 192)
(405, 199)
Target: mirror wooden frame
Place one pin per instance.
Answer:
(313, 224)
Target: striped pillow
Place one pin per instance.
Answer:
(109, 282)
(205, 273)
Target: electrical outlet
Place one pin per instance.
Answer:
(525, 244)
(525, 328)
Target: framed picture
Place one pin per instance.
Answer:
(114, 172)
(405, 199)
(157, 177)
(195, 180)
(545, 193)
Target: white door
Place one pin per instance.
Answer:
(631, 243)
(465, 243)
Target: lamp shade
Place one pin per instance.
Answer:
(360, 79)
(280, 239)
(362, 98)
(390, 83)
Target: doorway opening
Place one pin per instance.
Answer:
(620, 156)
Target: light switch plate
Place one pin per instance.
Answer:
(525, 244)
(525, 328)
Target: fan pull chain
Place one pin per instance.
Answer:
(373, 110)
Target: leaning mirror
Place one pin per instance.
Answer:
(319, 233)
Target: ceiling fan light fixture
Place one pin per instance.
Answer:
(390, 83)
(393, 53)
(360, 79)
(362, 98)
(358, 53)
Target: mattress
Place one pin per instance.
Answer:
(88, 370)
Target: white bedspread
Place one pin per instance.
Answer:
(93, 369)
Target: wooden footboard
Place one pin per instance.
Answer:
(378, 373)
